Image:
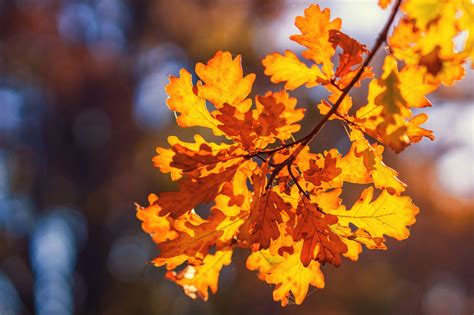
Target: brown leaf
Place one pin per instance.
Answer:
(319, 242)
(352, 52)
(193, 192)
(265, 215)
(197, 245)
(328, 172)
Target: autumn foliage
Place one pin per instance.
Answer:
(271, 196)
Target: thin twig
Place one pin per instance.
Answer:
(333, 82)
(295, 180)
(261, 158)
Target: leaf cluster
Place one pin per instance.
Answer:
(269, 194)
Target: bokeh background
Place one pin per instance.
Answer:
(82, 109)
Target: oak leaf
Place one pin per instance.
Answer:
(329, 171)
(364, 164)
(183, 100)
(291, 278)
(315, 27)
(386, 215)
(197, 241)
(193, 192)
(223, 82)
(424, 38)
(265, 215)
(319, 242)
(322, 37)
(288, 68)
(352, 52)
(388, 116)
(196, 280)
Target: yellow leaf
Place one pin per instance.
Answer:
(391, 98)
(343, 108)
(423, 11)
(288, 68)
(234, 196)
(363, 164)
(354, 248)
(387, 215)
(387, 116)
(414, 88)
(192, 108)
(415, 132)
(425, 38)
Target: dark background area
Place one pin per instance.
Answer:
(82, 108)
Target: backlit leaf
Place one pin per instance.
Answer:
(196, 280)
(288, 68)
(260, 187)
(386, 215)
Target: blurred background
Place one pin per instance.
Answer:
(82, 109)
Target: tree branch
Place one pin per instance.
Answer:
(309, 137)
(295, 180)
(380, 40)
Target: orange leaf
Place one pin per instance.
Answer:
(265, 214)
(237, 126)
(276, 113)
(384, 3)
(193, 192)
(196, 280)
(223, 82)
(195, 159)
(197, 241)
(159, 227)
(328, 172)
(315, 26)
